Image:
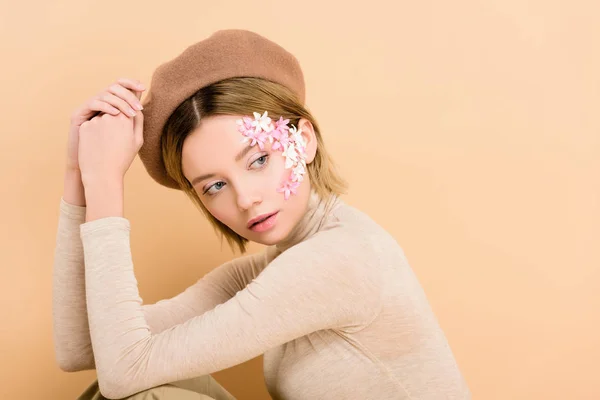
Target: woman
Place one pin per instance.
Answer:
(331, 302)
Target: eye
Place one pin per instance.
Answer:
(262, 160)
(217, 185)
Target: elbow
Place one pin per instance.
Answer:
(68, 363)
(111, 390)
(66, 366)
(120, 374)
(72, 360)
(72, 356)
(112, 387)
(114, 382)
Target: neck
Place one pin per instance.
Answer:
(313, 220)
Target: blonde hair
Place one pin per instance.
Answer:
(243, 96)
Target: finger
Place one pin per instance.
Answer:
(131, 84)
(118, 102)
(138, 127)
(138, 95)
(102, 106)
(125, 94)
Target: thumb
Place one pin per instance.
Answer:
(138, 127)
(138, 123)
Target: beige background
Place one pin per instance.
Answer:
(468, 129)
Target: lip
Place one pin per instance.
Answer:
(265, 225)
(258, 218)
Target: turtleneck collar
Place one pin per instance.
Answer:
(312, 221)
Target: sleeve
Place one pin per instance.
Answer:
(71, 331)
(72, 345)
(321, 283)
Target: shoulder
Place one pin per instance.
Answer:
(349, 243)
(347, 232)
(355, 232)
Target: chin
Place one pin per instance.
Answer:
(272, 236)
(269, 238)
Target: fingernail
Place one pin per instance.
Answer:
(132, 113)
(139, 106)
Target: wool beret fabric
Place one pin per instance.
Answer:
(225, 54)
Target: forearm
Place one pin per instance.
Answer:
(74, 192)
(72, 341)
(71, 336)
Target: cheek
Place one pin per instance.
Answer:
(219, 213)
(280, 173)
(273, 175)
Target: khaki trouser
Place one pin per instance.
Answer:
(204, 387)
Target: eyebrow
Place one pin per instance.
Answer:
(240, 155)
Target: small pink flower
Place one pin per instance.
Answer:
(288, 188)
(281, 125)
(284, 140)
(248, 135)
(254, 138)
(276, 139)
(280, 134)
(260, 139)
(245, 124)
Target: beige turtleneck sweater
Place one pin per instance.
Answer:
(336, 310)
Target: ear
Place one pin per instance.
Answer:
(308, 133)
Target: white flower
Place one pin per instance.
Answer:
(291, 155)
(262, 122)
(299, 171)
(297, 136)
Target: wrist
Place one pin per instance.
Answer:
(104, 181)
(73, 192)
(104, 198)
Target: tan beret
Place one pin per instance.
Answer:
(224, 54)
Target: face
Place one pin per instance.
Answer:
(237, 182)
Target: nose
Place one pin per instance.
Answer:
(247, 198)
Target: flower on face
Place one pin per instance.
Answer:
(282, 137)
(245, 124)
(262, 123)
(297, 136)
(291, 156)
(288, 188)
(275, 137)
(281, 125)
(284, 140)
(301, 151)
(248, 135)
(299, 171)
(254, 138)
(279, 135)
